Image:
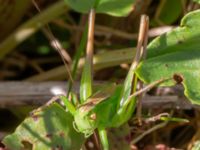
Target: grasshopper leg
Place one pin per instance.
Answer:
(103, 138)
(68, 104)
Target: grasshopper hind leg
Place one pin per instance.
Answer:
(103, 138)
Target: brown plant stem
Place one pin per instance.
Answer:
(90, 46)
(144, 40)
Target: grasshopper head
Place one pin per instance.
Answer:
(85, 122)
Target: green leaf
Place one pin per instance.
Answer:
(164, 16)
(198, 1)
(111, 7)
(86, 82)
(79, 52)
(176, 54)
(50, 128)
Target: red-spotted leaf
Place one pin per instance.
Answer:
(47, 129)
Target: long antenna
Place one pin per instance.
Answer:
(55, 44)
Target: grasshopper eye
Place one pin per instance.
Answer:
(93, 116)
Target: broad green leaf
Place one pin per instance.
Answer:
(176, 54)
(47, 129)
(164, 16)
(111, 7)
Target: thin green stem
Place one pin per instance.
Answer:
(77, 57)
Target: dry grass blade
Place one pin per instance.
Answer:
(154, 128)
(143, 37)
(141, 40)
(101, 30)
